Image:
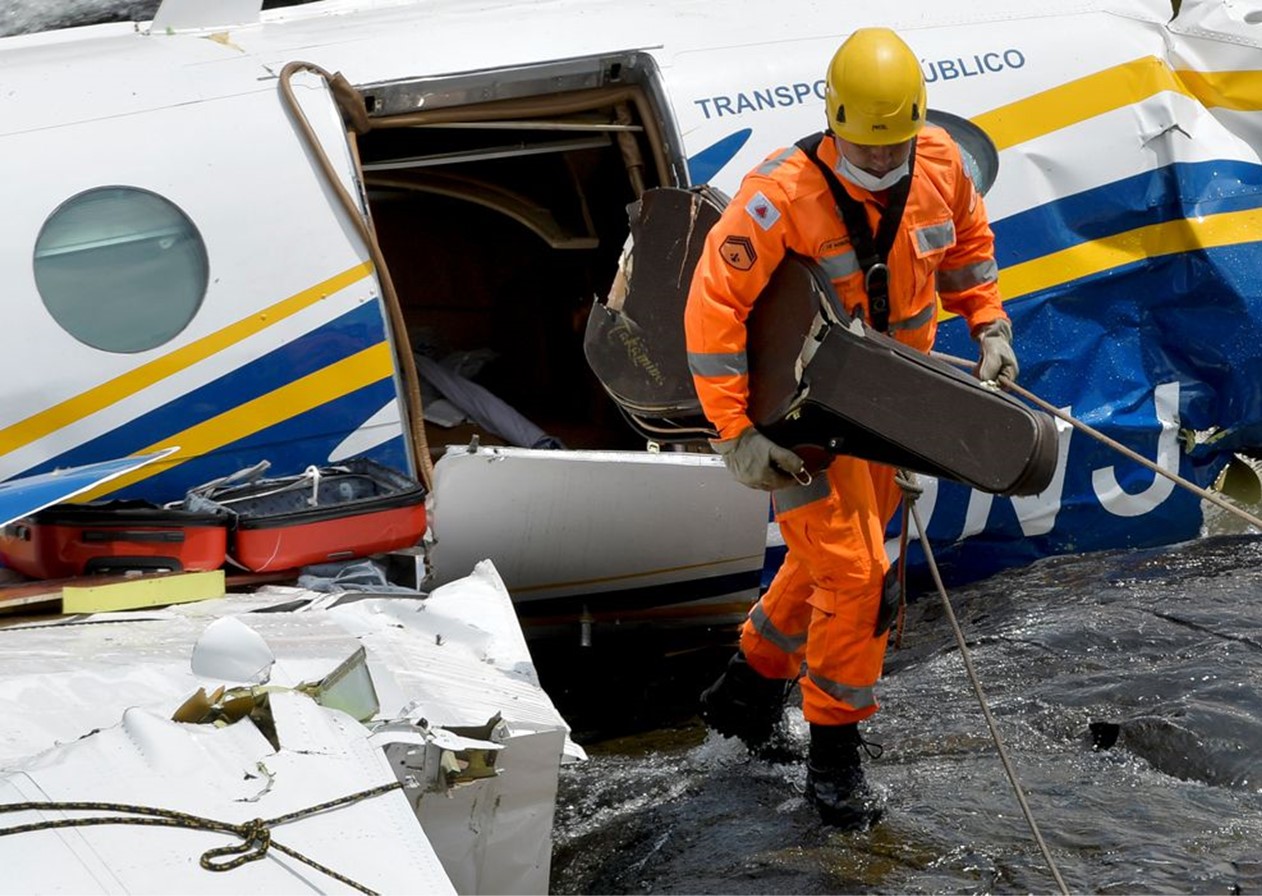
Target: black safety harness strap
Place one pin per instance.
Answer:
(871, 253)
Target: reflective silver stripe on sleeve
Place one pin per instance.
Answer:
(936, 236)
(763, 625)
(967, 277)
(717, 363)
(915, 322)
(857, 698)
(841, 265)
(776, 161)
(795, 496)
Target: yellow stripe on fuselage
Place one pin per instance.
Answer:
(359, 370)
(1080, 99)
(1239, 91)
(1152, 241)
(124, 386)
(1113, 88)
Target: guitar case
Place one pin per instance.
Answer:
(821, 383)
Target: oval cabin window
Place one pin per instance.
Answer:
(121, 269)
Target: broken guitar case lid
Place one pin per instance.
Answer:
(821, 383)
(635, 338)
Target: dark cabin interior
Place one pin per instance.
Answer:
(500, 224)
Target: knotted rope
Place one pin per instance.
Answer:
(256, 835)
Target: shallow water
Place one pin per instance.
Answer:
(1126, 687)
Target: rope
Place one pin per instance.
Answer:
(912, 490)
(256, 835)
(909, 501)
(1207, 495)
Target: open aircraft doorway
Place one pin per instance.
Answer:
(499, 201)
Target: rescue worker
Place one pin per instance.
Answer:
(823, 606)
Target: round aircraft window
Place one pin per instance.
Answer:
(981, 159)
(120, 268)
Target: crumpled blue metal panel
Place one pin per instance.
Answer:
(26, 495)
(1181, 329)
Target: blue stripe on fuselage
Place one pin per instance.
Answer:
(1182, 190)
(342, 337)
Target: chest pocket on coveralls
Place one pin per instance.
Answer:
(929, 243)
(928, 240)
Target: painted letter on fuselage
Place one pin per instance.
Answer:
(1104, 480)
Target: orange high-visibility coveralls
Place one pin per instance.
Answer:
(822, 605)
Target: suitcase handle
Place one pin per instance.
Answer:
(20, 531)
(167, 536)
(132, 564)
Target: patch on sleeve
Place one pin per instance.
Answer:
(739, 252)
(762, 211)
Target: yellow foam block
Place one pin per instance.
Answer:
(145, 591)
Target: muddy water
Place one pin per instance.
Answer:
(1127, 688)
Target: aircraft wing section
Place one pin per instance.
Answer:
(25, 495)
(620, 532)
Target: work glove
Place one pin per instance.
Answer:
(994, 342)
(758, 462)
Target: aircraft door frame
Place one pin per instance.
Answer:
(347, 105)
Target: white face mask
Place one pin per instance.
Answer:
(871, 182)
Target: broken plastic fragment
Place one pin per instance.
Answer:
(227, 706)
(230, 650)
(349, 688)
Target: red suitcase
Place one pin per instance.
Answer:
(68, 540)
(339, 512)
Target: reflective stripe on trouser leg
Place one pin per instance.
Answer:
(843, 658)
(774, 635)
(839, 544)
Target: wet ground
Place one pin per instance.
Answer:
(1126, 686)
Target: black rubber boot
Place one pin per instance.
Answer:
(835, 785)
(744, 704)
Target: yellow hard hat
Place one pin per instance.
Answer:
(876, 91)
